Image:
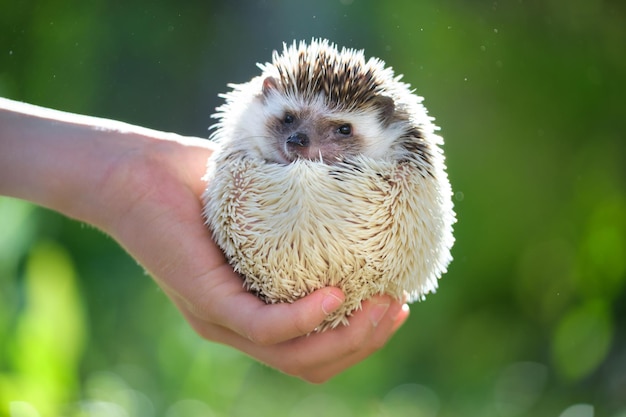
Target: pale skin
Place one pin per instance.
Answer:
(142, 187)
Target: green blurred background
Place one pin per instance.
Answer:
(529, 321)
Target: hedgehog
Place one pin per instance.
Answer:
(329, 172)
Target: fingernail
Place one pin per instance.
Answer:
(331, 303)
(377, 312)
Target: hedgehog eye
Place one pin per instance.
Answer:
(288, 119)
(345, 129)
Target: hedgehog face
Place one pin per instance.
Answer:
(306, 127)
(301, 126)
(304, 134)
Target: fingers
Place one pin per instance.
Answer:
(319, 356)
(391, 322)
(337, 350)
(226, 303)
(281, 322)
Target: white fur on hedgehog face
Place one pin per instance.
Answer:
(247, 120)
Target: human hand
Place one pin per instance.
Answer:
(143, 187)
(158, 191)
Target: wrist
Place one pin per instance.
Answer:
(83, 167)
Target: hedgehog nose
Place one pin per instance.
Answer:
(298, 139)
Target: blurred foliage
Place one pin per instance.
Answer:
(530, 319)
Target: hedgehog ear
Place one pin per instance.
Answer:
(386, 108)
(270, 84)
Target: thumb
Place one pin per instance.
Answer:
(268, 324)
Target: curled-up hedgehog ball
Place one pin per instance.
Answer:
(329, 172)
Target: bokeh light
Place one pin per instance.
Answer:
(530, 318)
